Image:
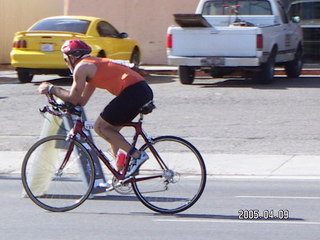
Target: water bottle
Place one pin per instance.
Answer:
(121, 159)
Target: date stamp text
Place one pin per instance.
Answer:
(254, 214)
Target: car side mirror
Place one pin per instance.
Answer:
(296, 19)
(123, 35)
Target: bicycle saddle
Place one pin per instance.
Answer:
(147, 108)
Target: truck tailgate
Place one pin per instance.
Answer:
(216, 41)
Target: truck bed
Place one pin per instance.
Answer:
(215, 41)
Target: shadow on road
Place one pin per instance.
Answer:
(128, 198)
(192, 217)
(279, 83)
(188, 216)
(227, 217)
(63, 81)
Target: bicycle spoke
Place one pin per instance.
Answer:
(182, 182)
(54, 182)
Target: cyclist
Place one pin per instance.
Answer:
(130, 88)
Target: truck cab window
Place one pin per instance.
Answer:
(223, 7)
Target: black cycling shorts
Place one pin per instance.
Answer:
(125, 107)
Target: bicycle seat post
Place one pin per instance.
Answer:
(141, 117)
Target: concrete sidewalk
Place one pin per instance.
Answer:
(222, 165)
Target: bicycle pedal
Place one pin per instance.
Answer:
(109, 189)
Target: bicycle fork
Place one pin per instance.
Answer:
(59, 172)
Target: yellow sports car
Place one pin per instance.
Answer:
(37, 50)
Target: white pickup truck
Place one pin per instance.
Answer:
(225, 37)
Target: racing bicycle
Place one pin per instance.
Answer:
(58, 171)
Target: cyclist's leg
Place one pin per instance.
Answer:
(111, 134)
(122, 109)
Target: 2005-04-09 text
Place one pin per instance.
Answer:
(252, 214)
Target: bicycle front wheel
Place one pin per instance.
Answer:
(181, 171)
(58, 175)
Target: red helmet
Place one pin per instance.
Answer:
(75, 47)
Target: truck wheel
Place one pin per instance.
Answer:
(24, 75)
(186, 74)
(293, 68)
(217, 72)
(266, 75)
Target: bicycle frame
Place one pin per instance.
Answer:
(78, 129)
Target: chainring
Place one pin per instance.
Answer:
(122, 188)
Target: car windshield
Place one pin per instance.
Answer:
(244, 7)
(62, 25)
(305, 10)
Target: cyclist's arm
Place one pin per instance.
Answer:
(73, 96)
(83, 72)
(86, 94)
(80, 91)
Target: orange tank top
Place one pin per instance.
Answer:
(112, 76)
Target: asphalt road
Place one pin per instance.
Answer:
(215, 216)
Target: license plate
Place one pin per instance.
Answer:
(213, 61)
(46, 47)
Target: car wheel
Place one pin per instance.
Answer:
(293, 68)
(186, 74)
(135, 58)
(101, 54)
(24, 75)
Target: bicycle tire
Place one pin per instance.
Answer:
(182, 182)
(52, 190)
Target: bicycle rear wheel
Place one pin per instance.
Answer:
(55, 190)
(182, 171)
